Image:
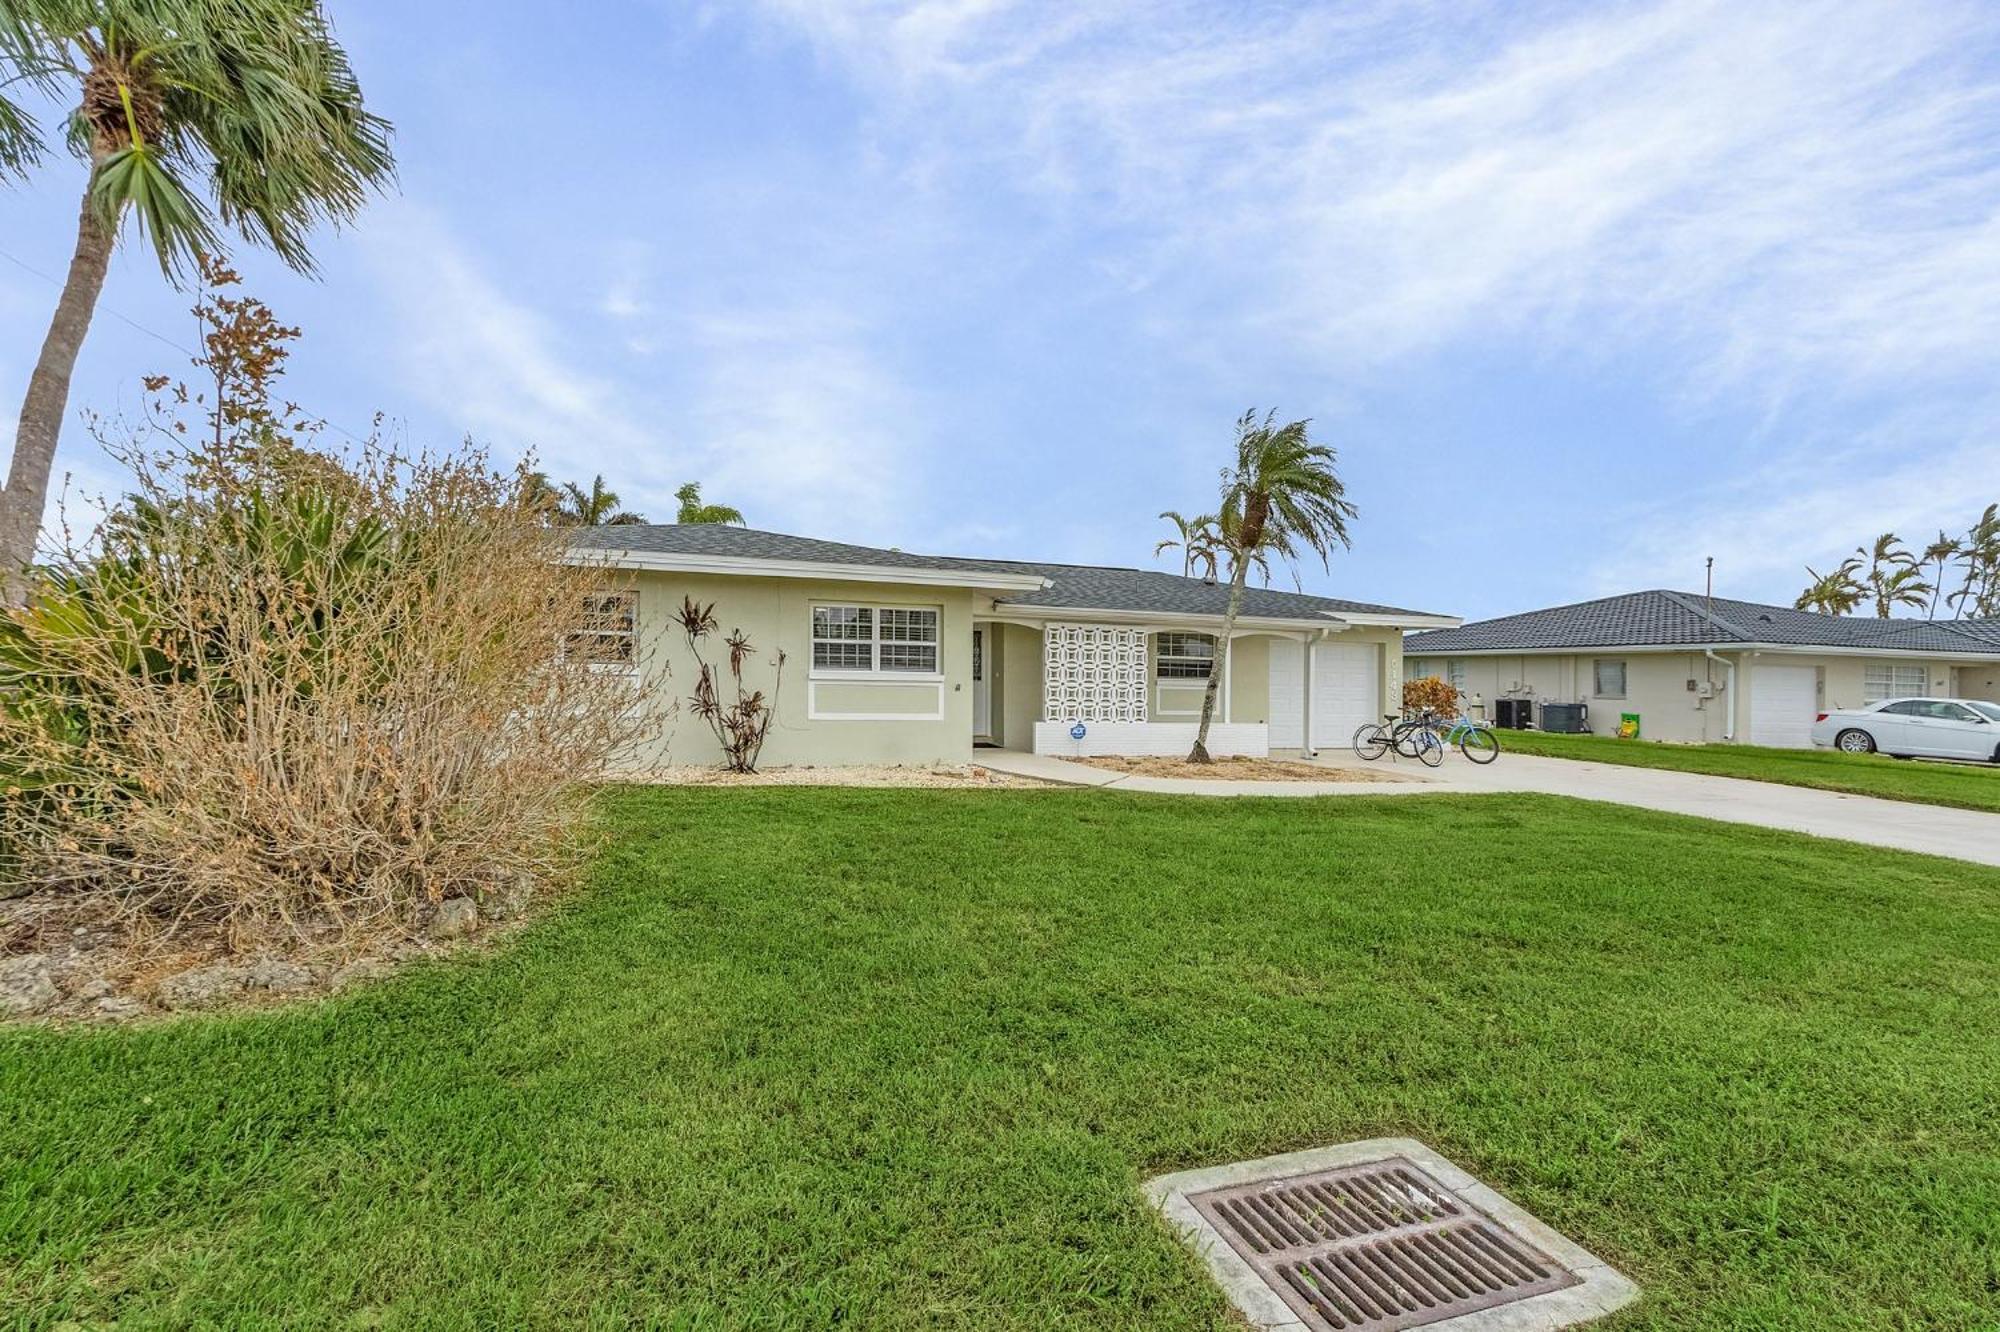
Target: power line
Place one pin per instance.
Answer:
(154, 334)
(122, 318)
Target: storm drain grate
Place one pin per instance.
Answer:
(1377, 1247)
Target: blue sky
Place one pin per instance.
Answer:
(1581, 293)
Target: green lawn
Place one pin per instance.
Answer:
(880, 1059)
(1967, 786)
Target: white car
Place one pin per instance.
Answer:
(1956, 728)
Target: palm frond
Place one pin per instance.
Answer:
(171, 218)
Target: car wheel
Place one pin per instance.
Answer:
(1855, 742)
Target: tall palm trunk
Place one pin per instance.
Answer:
(1199, 754)
(42, 411)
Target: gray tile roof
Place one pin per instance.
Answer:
(1659, 618)
(1077, 586)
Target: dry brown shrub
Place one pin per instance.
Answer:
(293, 689)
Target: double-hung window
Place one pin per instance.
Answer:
(607, 631)
(886, 640)
(1889, 679)
(1607, 677)
(1183, 657)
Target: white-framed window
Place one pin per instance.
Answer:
(1891, 679)
(607, 632)
(1607, 677)
(1454, 673)
(885, 640)
(1183, 656)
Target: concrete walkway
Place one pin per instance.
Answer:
(1960, 833)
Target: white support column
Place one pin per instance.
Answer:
(1306, 704)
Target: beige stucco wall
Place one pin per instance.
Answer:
(1656, 685)
(1655, 688)
(1250, 679)
(1017, 698)
(1977, 681)
(908, 721)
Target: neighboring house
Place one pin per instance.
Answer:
(900, 658)
(1696, 670)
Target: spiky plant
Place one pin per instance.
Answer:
(194, 117)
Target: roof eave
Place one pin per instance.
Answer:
(653, 561)
(1801, 649)
(1396, 619)
(1319, 622)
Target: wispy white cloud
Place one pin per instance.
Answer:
(1786, 213)
(1803, 506)
(1784, 186)
(782, 412)
(791, 409)
(489, 363)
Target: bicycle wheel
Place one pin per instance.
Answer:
(1403, 736)
(1371, 741)
(1430, 746)
(1479, 744)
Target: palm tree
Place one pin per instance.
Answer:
(694, 511)
(1223, 542)
(1979, 554)
(1199, 541)
(1901, 586)
(596, 507)
(1886, 559)
(1280, 493)
(252, 96)
(1835, 593)
(542, 495)
(1938, 553)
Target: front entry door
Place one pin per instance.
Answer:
(982, 687)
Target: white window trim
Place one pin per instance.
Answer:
(874, 674)
(1161, 657)
(1870, 693)
(630, 633)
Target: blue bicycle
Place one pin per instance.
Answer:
(1475, 741)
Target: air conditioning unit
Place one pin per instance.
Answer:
(1566, 718)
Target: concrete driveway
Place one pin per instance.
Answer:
(1960, 833)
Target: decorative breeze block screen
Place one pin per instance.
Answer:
(1093, 673)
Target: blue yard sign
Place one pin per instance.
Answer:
(1076, 731)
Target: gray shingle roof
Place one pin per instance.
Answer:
(1662, 618)
(1077, 586)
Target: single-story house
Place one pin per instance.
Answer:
(1700, 669)
(892, 657)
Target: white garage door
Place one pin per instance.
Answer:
(1288, 692)
(1783, 702)
(1347, 691)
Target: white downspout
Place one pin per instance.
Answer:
(1311, 649)
(1729, 687)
